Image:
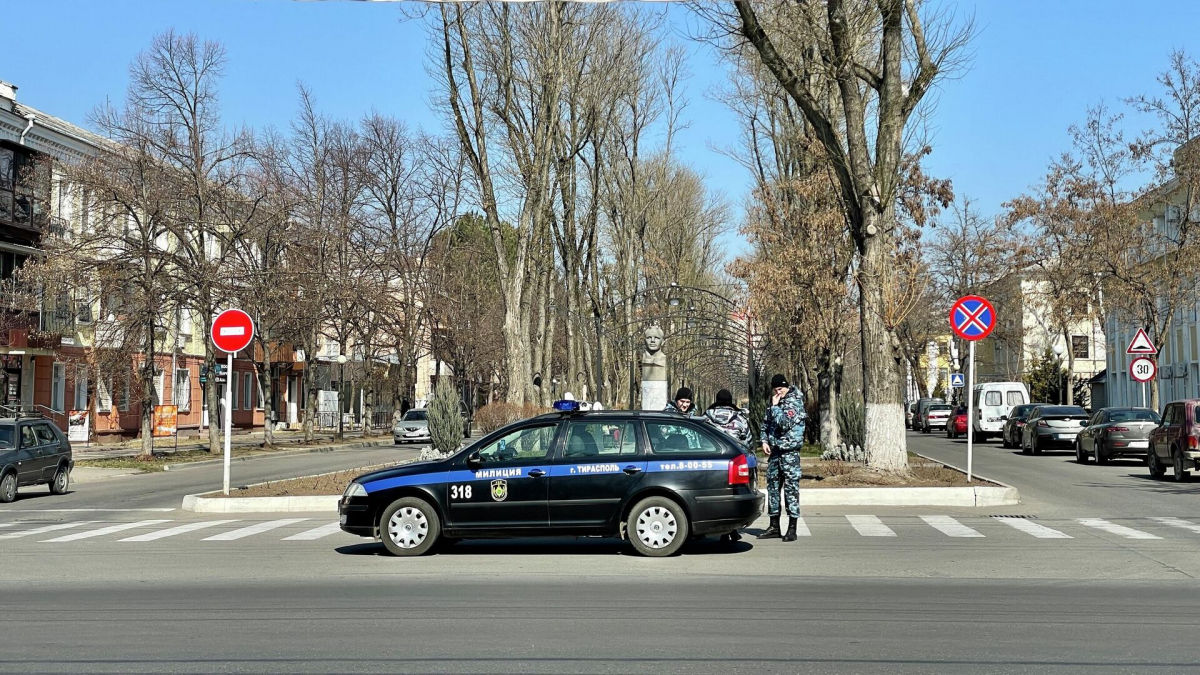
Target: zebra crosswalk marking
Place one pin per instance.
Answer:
(1035, 529)
(1119, 530)
(254, 529)
(1180, 523)
(950, 527)
(181, 529)
(870, 526)
(315, 533)
(47, 528)
(111, 529)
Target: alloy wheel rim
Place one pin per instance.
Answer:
(9, 486)
(408, 527)
(657, 527)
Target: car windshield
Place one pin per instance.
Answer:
(1064, 411)
(6, 435)
(416, 416)
(1133, 416)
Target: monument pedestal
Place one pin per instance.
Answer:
(654, 394)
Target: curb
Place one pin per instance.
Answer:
(971, 496)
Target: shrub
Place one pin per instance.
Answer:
(852, 422)
(495, 415)
(445, 420)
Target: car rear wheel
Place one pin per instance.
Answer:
(8, 488)
(657, 527)
(1177, 471)
(1034, 446)
(1101, 457)
(1080, 455)
(62, 478)
(1157, 470)
(1024, 446)
(409, 527)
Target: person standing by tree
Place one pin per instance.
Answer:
(782, 437)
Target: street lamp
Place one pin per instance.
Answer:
(341, 359)
(1058, 354)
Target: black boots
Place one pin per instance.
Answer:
(791, 533)
(772, 531)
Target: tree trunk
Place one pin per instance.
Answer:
(214, 405)
(266, 389)
(882, 388)
(148, 405)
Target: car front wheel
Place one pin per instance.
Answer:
(409, 527)
(62, 478)
(8, 488)
(1080, 455)
(657, 527)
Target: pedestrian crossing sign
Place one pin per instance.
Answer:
(957, 380)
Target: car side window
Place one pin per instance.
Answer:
(600, 439)
(28, 438)
(1015, 398)
(667, 439)
(1172, 415)
(44, 435)
(522, 444)
(993, 398)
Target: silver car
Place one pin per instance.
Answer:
(413, 427)
(1116, 432)
(1052, 426)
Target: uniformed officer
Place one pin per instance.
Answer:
(782, 437)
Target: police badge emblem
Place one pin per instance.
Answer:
(499, 490)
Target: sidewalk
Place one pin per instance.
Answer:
(283, 440)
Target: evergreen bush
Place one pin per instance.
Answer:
(445, 420)
(852, 421)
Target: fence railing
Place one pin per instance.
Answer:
(23, 410)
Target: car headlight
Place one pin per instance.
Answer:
(355, 489)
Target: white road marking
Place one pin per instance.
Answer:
(1119, 530)
(155, 510)
(1180, 523)
(47, 528)
(111, 529)
(950, 527)
(870, 526)
(181, 529)
(251, 530)
(1029, 527)
(315, 533)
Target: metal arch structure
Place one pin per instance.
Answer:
(710, 340)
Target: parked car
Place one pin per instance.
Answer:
(935, 417)
(1116, 432)
(1176, 441)
(33, 451)
(910, 414)
(992, 402)
(1051, 426)
(653, 478)
(1014, 424)
(957, 424)
(412, 428)
(922, 406)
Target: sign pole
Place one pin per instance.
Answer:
(228, 414)
(970, 409)
(1143, 394)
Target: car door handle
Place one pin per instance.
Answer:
(537, 473)
(632, 469)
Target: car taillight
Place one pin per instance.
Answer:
(1020, 423)
(1193, 443)
(1118, 428)
(739, 471)
(1043, 423)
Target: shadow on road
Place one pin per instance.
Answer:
(553, 546)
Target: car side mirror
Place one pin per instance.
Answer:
(474, 461)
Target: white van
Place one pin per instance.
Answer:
(992, 401)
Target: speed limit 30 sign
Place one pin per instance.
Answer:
(1142, 369)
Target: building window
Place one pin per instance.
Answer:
(158, 386)
(58, 387)
(104, 400)
(182, 391)
(233, 391)
(248, 391)
(1079, 347)
(81, 386)
(185, 321)
(123, 402)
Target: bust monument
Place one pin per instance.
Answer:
(654, 371)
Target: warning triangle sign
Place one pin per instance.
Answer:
(1141, 344)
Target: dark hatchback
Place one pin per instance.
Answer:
(1014, 425)
(33, 451)
(652, 478)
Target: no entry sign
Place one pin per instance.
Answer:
(972, 318)
(232, 330)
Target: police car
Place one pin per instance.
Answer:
(655, 479)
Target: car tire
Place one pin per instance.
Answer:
(1177, 471)
(409, 527)
(1024, 445)
(1101, 457)
(657, 527)
(1034, 446)
(1157, 470)
(60, 482)
(8, 488)
(1080, 456)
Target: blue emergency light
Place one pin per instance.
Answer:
(566, 406)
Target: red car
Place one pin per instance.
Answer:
(957, 424)
(1175, 442)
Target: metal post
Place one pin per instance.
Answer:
(228, 414)
(341, 391)
(970, 411)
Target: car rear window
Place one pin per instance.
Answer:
(1133, 416)
(1064, 411)
(939, 407)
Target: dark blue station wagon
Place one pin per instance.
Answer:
(652, 478)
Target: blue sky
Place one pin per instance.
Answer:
(1035, 67)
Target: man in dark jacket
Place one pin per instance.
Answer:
(682, 403)
(727, 417)
(782, 437)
